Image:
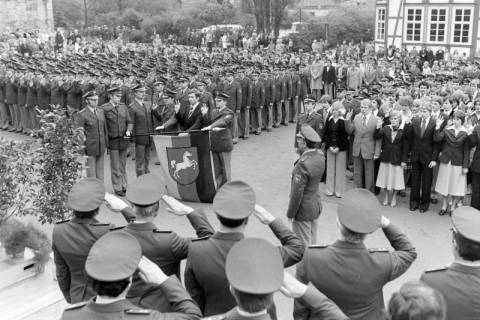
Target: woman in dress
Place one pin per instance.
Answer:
(454, 159)
(393, 157)
(336, 145)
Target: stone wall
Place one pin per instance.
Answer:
(26, 15)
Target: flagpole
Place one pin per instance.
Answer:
(170, 133)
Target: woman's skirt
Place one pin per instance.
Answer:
(451, 180)
(390, 177)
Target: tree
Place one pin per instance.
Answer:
(268, 13)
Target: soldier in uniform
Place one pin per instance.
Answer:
(111, 262)
(141, 117)
(118, 123)
(164, 248)
(22, 101)
(92, 120)
(206, 97)
(349, 273)
(234, 91)
(220, 122)
(310, 117)
(253, 297)
(270, 92)
(4, 113)
(305, 204)
(182, 94)
(244, 116)
(258, 101)
(72, 239)
(459, 282)
(32, 101)
(205, 279)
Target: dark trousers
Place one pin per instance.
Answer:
(142, 159)
(475, 202)
(421, 180)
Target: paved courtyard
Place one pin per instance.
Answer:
(265, 162)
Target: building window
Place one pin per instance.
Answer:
(438, 25)
(380, 31)
(414, 25)
(461, 25)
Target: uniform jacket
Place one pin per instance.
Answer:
(57, 95)
(205, 279)
(296, 85)
(305, 202)
(207, 99)
(43, 95)
(245, 84)
(162, 113)
(71, 242)
(95, 128)
(455, 149)
(11, 92)
(353, 276)
(31, 98)
(269, 91)
(73, 92)
(234, 91)
(118, 121)
(314, 120)
(423, 148)
(393, 151)
(221, 141)
(172, 290)
(22, 93)
(167, 250)
(141, 117)
(258, 95)
(459, 286)
(2, 89)
(335, 135)
(364, 142)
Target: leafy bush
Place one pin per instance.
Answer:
(60, 163)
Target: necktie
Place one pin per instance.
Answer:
(190, 112)
(424, 126)
(364, 120)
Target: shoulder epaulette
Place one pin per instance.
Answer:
(318, 246)
(117, 228)
(161, 231)
(76, 305)
(139, 311)
(100, 224)
(201, 238)
(217, 317)
(378, 250)
(63, 221)
(436, 269)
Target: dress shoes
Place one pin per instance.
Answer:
(434, 200)
(413, 207)
(442, 212)
(120, 193)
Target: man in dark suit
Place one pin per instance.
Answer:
(187, 118)
(72, 239)
(459, 282)
(244, 117)
(92, 120)
(205, 279)
(164, 248)
(424, 153)
(305, 205)
(220, 122)
(142, 120)
(346, 271)
(329, 79)
(118, 123)
(234, 90)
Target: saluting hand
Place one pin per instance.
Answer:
(176, 207)
(114, 203)
(150, 272)
(263, 215)
(177, 107)
(291, 287)
(204, 109)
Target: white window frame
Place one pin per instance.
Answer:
(445, 23)
(406, 22)
(470, 24)
(377, 22)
